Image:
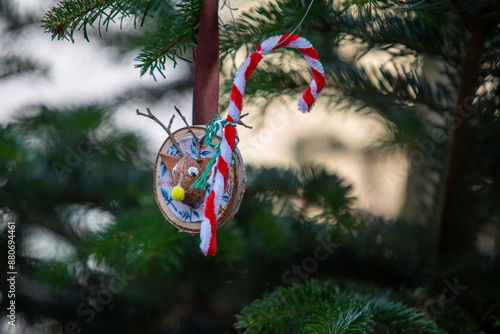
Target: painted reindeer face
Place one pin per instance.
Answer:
(185, 171)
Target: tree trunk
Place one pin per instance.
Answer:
(459, 139)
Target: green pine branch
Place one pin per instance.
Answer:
(68, 16)
(283, 306)
(75, 15)
(423, 29)
(177, 31)
(339, 320)
(176, 35)
(402, 86)
(442, 38)
(422, 32)
(329, 308)
(396, 317)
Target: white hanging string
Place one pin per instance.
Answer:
(301, 21)
(227, 3)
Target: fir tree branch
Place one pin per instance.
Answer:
(154, 56)
(396, 316)
(274, 310)
(429, 34)
(405, 85)
(441, 36)
(69, 16)
(342, 310)
(173, 39)
(339, 321)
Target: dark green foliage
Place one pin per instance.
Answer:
(432, 32)
(142, 252)
(299, 256)
(94, 190)
(272, 234)
(87, 162)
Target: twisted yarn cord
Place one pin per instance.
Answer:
(208, 228)
(214, 128)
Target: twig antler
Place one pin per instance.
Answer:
(198, 141)
(153, 117)
(243, 124)
(185, 122)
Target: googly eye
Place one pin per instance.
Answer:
(174, 169)
(193, 171)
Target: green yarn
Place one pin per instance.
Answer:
(213, 126)
(211, 130)
(201, 182)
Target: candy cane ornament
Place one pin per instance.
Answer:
(228, 135)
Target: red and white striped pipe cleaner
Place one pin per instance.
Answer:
(212, 202)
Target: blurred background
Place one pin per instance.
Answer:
(360, 180)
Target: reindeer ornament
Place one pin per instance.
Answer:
(182, 160)
(202, 192)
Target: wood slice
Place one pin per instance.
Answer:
(188, 218)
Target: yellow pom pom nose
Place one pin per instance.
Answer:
(178, 193)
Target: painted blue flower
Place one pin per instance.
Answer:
(185, 215)
(167, 198)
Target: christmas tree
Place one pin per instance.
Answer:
(298, 256)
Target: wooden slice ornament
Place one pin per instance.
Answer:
(180, 162)
(187, 213)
